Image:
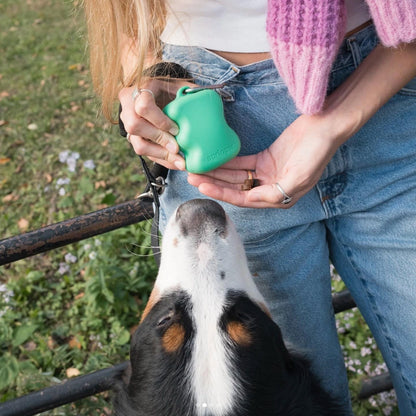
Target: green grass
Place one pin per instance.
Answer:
(73, 308)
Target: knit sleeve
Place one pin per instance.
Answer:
(304, 37)
(395, 20)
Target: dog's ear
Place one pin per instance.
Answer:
(126, 376)
(122, 380)
(279, 346)
(120, 397)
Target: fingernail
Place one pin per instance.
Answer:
(174, 131)
(172, 147)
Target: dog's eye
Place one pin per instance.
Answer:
(165, 319)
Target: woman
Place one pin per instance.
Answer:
(326, 116)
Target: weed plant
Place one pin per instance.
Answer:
(71, 311)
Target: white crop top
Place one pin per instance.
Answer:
(231, 25)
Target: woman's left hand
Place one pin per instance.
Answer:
(295, 161)
(298, 157)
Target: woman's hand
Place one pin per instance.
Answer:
(298, 157)
(295, 160)
(151, 131)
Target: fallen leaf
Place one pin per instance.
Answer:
(23, 224)
(74, 343)
(100, 184)
(4, 160)
(10, 198)
(48, 178)
(76, 67)
(90, 125)
(72, 372)
(51, 343)
(3, 122)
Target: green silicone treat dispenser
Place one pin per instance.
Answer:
(204, 138)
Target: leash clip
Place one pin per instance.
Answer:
(159, 185)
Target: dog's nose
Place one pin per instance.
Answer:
(198, 215)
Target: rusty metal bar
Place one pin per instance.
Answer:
(374, 385)
(67, 392)
(342, 301)
(73, 230)
(99, 381)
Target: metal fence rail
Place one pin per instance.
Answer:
(73, 230)
(67, 392)
(86, 226)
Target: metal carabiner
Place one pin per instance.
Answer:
(159, 186)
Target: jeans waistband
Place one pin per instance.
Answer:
(207, 64)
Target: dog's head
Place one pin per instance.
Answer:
(206, 344)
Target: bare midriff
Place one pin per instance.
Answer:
(241, 59)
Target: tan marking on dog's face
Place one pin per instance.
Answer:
(173, 338)
(239, 333)
(153, 299)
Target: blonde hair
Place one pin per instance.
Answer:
(113, 25)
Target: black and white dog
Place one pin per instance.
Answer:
(206, 345)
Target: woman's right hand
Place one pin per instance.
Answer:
(151, 131)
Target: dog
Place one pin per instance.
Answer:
(206, 344)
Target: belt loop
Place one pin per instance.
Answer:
(355, 50)
(227, 94)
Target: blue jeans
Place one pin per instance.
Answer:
(361, 215)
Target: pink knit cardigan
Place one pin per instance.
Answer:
(305, 36)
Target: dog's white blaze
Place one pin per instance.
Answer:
(205, 254)
(207, 272)
(215, 388)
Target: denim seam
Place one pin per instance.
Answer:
(332, 187)
(408, 92)
(200, 76)
(375, 309)
(234, 81)
(342, 68)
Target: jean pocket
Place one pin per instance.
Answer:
(409, 89)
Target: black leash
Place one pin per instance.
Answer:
(156, 183)
(156, 176)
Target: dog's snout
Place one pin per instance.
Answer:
(195, 215)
